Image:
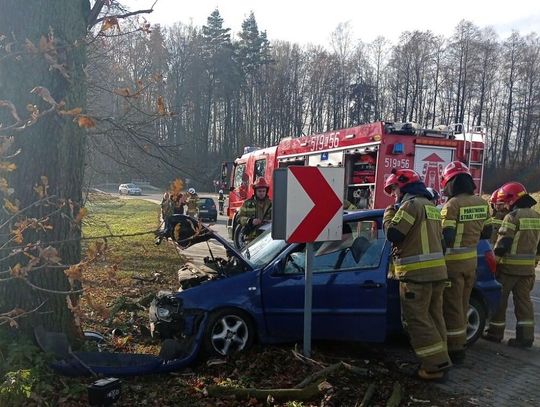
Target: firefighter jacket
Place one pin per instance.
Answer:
(192, 204)
(254, 209)
(221, 198)
(495, 221)
(466, 215)
(519, 242)
(419, 256)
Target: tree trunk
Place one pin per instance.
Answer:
(53, 147)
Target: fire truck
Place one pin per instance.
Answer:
(367, 152)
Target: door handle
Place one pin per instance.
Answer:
(370, 284)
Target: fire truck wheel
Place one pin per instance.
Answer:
(238, 237)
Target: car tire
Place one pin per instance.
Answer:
(476, 320)
(228, 330)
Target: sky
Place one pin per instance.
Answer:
(311, 22)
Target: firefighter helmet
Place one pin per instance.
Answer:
(453, 169)
(220, 191)
(260, 183)
(494, 198)
(510, 193)
(400, 178)
(191, 191)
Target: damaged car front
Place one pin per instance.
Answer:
(224, 290)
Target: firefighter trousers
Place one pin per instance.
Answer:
(520, 287)
(421, 307)
(461, 276)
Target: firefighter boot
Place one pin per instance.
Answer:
(520, 341)
(457, 356)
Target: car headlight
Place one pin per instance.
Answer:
(163, 313)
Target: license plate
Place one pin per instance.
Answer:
(203, 211)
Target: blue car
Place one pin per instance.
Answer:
(258, 293)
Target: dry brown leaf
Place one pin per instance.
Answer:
(17, 271)
(12, 109)
(4, 185)
(110, 23)
(72, 112)
(82, 213)
(86, 122)
(30, 47)
(122, 92)
(10, 206)
(176, 187)
(74, 273)
(6, 166)
(161, 109)
(49, 255)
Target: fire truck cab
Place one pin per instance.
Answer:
(368, 153)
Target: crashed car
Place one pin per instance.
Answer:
(258, 293)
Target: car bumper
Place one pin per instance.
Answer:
(178, 323)
(207, 214)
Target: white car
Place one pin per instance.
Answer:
(129, 189)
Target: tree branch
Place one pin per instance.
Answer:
(125, 15)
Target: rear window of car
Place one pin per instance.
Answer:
(131, 185)
(206, 202)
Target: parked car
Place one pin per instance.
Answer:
(259, 292)
(207, 209)
(129, 189)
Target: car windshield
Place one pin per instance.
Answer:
(263, 250)
(131, 185)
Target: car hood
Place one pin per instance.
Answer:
(187, 231)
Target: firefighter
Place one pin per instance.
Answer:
(256, 210)
(192, 203)
(498, 212)
(464, 218)
(221, 201)
(415, 232)
(518, 246)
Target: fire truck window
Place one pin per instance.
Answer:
(239, 175)
(260, 169)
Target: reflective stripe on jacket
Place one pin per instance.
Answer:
(419, 257)
(522, 227)
(467, 214)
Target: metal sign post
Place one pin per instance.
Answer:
(308, 291)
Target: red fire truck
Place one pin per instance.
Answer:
(367, 152)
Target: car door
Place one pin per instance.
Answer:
(349, 287)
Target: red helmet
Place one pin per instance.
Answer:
(260, 183)
(494, 197)
(453, 169)
(510, 192)
(400, 178)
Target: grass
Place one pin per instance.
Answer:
(137, 254)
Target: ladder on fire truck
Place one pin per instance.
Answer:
(474, 155)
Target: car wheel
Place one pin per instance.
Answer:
(476, 320)
(238, 237)
(228, 330)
